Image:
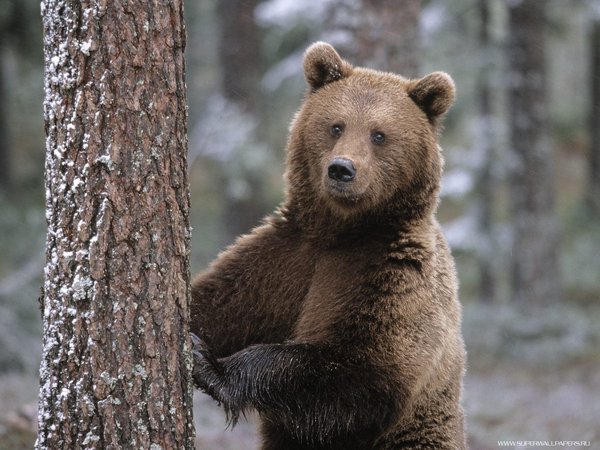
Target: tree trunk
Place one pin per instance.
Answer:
(19, 35)
(593, 189)
(485, 182)
(383, 34)
(5, 147)
(239, 54)
(116, 367)
(535, 268)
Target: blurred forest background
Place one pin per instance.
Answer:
(520, 197)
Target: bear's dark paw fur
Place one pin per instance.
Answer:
(209, 376)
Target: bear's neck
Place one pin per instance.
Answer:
(402, 212)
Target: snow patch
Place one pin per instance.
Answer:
(287, 13)
(77, 182)
(433, 18)
(457, 183)
(284, 70)
(461, 233)
(139, 371)
(81, 287)
(105, 161)
(85, 47)
(64, 393)
(90, 438)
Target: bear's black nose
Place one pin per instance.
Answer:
(341, 169)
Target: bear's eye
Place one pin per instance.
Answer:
(378, 138)
(336, 130)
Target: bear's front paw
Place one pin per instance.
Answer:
(207, 372)
(209, 376)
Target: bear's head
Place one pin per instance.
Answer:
(364, 143)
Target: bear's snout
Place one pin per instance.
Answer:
(341, 169)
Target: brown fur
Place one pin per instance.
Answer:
(338, 319)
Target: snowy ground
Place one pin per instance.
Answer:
(515, 402)
(211, 432)
(531, 376)
(505, 402)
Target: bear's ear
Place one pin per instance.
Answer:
(434, 94)
(322, 65)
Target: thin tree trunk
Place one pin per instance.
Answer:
(115, 371)
(535, 269)
(20, 35)
(485, 183)
(593, 189)
(383, 34)
(5, 147)
(239, 54)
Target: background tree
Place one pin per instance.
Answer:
(17, 33)
(115, 371)
(485, 182)
(239, 55)
(593, 188)
(379, 33)
(5, 163)
(535, 250)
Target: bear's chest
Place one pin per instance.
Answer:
(340, 291)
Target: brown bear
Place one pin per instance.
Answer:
(338, 319)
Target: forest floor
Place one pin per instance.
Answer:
(503, 402)
(527, 403)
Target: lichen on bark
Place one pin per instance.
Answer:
(115, 368)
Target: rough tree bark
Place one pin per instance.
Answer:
(115, 371)
(593, 189)
(383, 34)
(535, 269)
